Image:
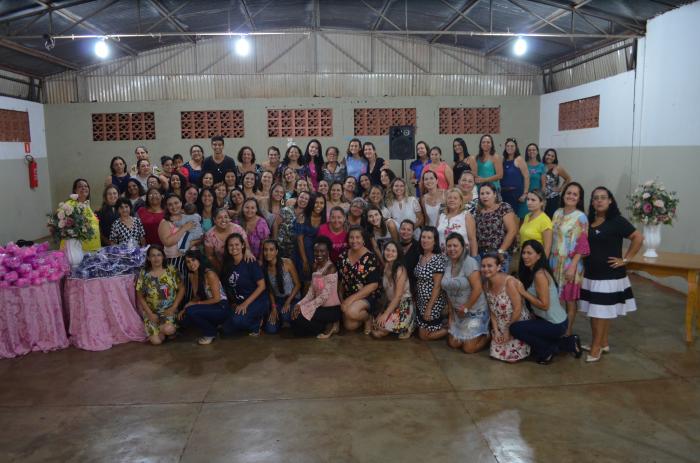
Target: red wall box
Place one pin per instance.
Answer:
(376, 121)
(580, 114)
(14, 126)
(300, 122)
(206, 124)
(457, 121)
(123, 126)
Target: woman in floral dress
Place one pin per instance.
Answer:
(358, 270)
(159, 291)
(506, 306)
(400, 313)
(569, 246)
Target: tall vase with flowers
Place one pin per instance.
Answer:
(70, 223)
(652, 205)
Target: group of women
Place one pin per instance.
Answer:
(315, 241)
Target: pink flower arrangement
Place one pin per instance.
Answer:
(70, 221)
(652, 204)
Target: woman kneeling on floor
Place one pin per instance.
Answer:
(468, 312)
(159, 291)
(544, 333)
(208, 307)
(320, 308)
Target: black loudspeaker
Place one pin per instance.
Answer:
(402, 142)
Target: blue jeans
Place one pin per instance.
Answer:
(250, 321)
(208, 317)
(282, 318)
(545, 338)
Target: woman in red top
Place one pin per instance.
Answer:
(151, 215)
(442, 170)
(335, 231)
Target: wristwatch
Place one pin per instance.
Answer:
(625, 260)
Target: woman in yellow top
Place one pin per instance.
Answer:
(81, 195)
(536, 224)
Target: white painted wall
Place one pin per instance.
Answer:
(649, 125)
(23, 209)
(615, 125)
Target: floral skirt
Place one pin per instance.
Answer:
(153, 329)
(403, 319)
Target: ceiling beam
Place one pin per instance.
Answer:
(532, 13)
(249, 18)
(621, 21)
(14, 70)
(459, 15)
(82, 22)
(83, 19)
(176, 23)
(49, 58)
(169, 15)
(592, 49)
(539, 25)
(39, 10)
(381, 15)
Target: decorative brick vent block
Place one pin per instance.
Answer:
(376, 121)
(457, 121)
(123, 126)
(206, 124)
(579, 114)
(14, 126)
(300, 122)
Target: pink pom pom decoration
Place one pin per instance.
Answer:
(4, 284)
(24, 269)
(12, 262)
(11, 277)
(22, 282)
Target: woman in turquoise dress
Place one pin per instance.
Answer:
(489, 164)
(535, 167)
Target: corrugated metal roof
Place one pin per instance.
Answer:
(326, 64)
(605, 62)
(14, 85)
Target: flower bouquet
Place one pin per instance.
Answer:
(70, 221)
(652, 206)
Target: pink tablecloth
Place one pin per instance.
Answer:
(102, 312)
(31, 319)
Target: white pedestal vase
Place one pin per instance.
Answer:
(652, 240)
(74, 252)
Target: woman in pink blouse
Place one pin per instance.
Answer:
(214, 239)
(254, 225)
(336, 231)
(318, 313)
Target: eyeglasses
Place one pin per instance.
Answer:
(601, 198)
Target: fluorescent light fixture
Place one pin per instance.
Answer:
(102, 49)
(520, 47)
(242, 46)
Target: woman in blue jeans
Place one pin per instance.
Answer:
(544, 333)
(207, 308)
(244, 283)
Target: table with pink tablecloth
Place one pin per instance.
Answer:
(31, 319)
(102, 312)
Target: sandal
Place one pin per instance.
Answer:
(205, 340)
(334, 329)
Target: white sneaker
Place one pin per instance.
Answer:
(204, 340)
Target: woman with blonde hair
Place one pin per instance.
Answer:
(455, 219)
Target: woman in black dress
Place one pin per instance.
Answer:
(606, 292)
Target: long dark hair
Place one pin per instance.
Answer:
(539, 159)
(556, 156)
(427, 149)
(310, 207)
(460, 238)
(527, 275)
(106, 207)
(196, 254)
(613, 210)
(579, 204)
(517, 149)
(492, 151)
(382, 224)
(157, 247)
(285, 161)
(166, 214)
(463, 144)
(318, 160)
(279, 275)
(75, 186)
(228, 262)
(359, 142)
(200, 205)
(398, 263)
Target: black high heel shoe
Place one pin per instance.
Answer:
(578, 351)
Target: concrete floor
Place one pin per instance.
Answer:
(276, 399)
